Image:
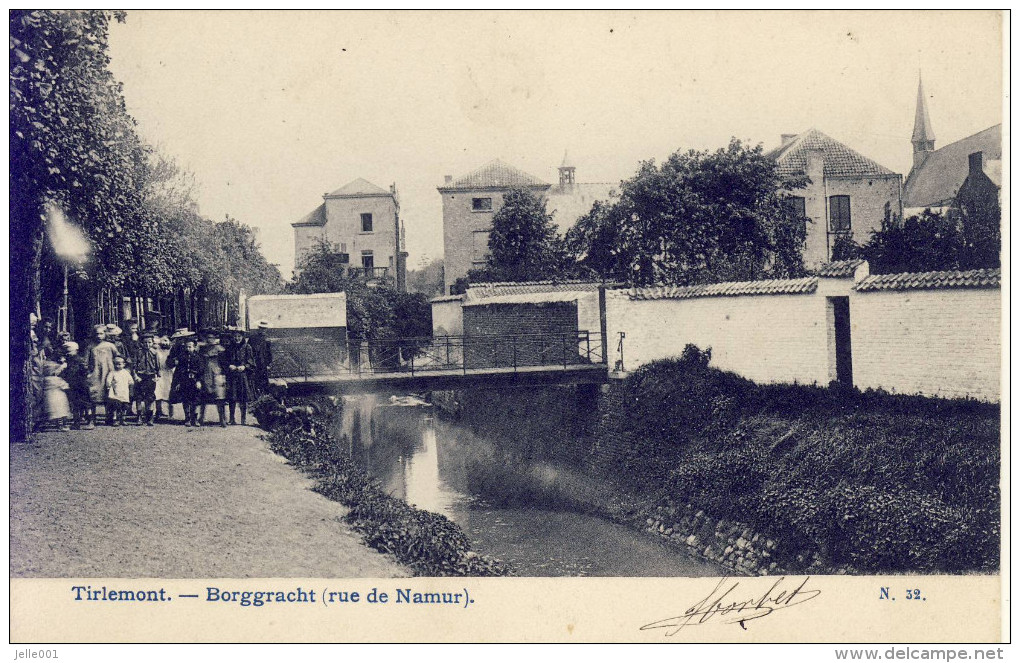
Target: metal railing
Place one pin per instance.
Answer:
(368, 272)
(293, 357)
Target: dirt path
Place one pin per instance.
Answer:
(174, 502)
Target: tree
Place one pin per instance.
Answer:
(374, 313)
(700, 217)
(427, 279)
(523, 243)
(928, 242)
(72, 143)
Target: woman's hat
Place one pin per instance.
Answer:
(113, 329)
(70, 346)
(181, 332)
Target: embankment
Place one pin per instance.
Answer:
(765, 479)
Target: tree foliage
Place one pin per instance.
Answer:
(374, 313)
(698, 217)
(523, 243)
(927, 242)
(73, 145)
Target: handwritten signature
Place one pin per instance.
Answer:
(725, 603)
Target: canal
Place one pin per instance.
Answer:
(527, 516)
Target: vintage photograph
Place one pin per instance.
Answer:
(426, 294)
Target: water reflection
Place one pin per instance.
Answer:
(441, 468)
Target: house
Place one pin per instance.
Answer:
(938, 176)
(364, 221)
(469, 203)
(848, 194)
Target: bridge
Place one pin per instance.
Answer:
(323, 362)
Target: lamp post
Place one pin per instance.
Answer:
(71, 246)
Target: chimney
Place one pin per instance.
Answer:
(975, 162)
(815, 167)
(786, 139)
(447, 179)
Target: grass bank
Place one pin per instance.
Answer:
(861, 482)
(429, 543)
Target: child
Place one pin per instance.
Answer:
(188, 374)
(99, 362)
(146, 371)
(55, 404)
(165, 378)
(77, 377)
(118, 392)
(214, 379)
(240, 362)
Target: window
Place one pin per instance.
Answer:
(366, 223)
(795, 204)
(839, 214)
(367, 260)
(479, 245)
(481, 204)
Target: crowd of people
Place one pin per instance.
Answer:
(139, 376)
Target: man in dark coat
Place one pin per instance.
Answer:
(262, 349)
(146, 369)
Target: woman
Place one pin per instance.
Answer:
(214, 382)
(180, 339)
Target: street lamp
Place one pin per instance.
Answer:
(70, 245)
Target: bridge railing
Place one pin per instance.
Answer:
(511, 352)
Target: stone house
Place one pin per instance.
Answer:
(364, 221)
(469, 203)
(847, 194)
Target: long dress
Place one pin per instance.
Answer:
(166, 375)
(99, 361)
(55, 397)
(173, 361)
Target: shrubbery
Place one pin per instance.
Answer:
(429, 543)
(876, 482)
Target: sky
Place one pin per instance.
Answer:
(269, 110)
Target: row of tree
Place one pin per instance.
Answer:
(75, 148)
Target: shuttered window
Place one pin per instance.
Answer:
(839, 214)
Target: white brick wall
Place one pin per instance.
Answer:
(935, 342)
(773, 338)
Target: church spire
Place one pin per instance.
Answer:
(923, 137)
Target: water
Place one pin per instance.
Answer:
(520, 515)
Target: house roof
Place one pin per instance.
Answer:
(839, 269)
(937, 180)
(357, 189)
(839, 160)
(317, 217)
(975, 278)
(496, 174)
(729, 289)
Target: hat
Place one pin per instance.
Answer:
(113, 329)
(263, 324)
(181, 332)
(70, 346)
(147, 334)
(132, 321)
(233, 329)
